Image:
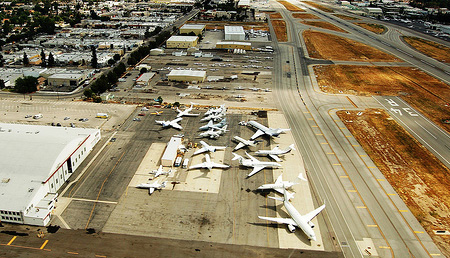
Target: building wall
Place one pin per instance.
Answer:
(184, 78)
(187, 31)
(234, 36)
(181, 44)
(225, 45)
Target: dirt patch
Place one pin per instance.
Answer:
(345, 17)
(304, 16)
(417, 176)
(320, 7)
(327, 46)
(423, 92)
(219, 25)
(274, 16)
(324, 25)
(291, 7)
(375, 28)
(279, 27)
(430, 48)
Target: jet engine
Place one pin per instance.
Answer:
(311, 224)
(291, 228)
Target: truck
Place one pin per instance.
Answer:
(177, 161)
(102, 115)
(38, 116)
(185, 163)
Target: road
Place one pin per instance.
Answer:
(361, 212)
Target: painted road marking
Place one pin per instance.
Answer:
(384, 247)
(352, 191)
(44, 244)
(392, 194)
(371, 167)
(103, 256)
(361, 207)
(435, 254)
(380, 179)
(337, 164)
(348, 136)
(12, 240)
(324, 143)
(403, 210)
(330, 153)
(372, 226)
(72, 253)
(418, 232)
(314, 126)
(362, 155)
(343, 176)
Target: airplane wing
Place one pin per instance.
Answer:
(190, 114)
(177, 126)
(240, 145)
(176, 120)
(159, 121)
(200, 151)
(257, 134)
(280, 220)
(252, 158)
(255, 170)
(151, 190)
(312, 214)
(217, 165)
(275, 157)
(201, 165)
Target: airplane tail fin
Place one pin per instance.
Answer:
(301, 177)
(291, 147)
(236, 156)
(163, 184)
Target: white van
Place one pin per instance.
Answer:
(38, 116)
(185, 163)
(177, 162)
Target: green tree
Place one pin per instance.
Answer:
(116, 57)
(43, 61)
(2, 61)
(159, 100)
(2, 84)
(94, 57)
(25, 59)
(26, 84)
(143, 70)
(88, 93)
(51, 60)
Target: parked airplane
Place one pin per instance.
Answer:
(208, 148)
(214, 134)
(217, 110)
(214, 117)
(261, 129)
(211, 124)
(152, 186)
(253, 162)
(186, 111)
(296, 220)
(208, 164)
(275, 152)
(160, 171)
(243, 143)
(173, 123)
(278, 185)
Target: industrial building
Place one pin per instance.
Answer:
(182, 42)
(234, 45)
(198, 29)
(187, 76)
(144, 79)
(36, 161)
(72, 79)
(170, 154)
(234, 33)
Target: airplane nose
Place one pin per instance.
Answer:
(313, 238)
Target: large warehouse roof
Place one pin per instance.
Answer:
(234, 30)
(29, 155)
(187, 73)
(193, 26)
(182, 38)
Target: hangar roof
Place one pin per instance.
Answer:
(193, 26)
(187, 73)
(234, 30)
(29, 155)
(182, 38)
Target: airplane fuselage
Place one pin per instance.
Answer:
(297, 218)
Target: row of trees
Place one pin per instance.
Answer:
(105, 82)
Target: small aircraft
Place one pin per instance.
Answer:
(211, 124)
(186, 112)
(214, 117)
(217, 110)
(275, 152)
(243, 143)
(214, 134)
(157, 113)
(173, 123)
(261, 129)
(152, 186)
(297, 220)
(208, 148)
(160, 171)
(278, 185)
(253, 162)
(208, 164)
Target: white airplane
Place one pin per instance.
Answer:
(215, 110)
(160, 171)
(261, 129)
(243, 143)
(275, 152)
(186, 112)
(208, 148)
(278, 185)
(296, 220)
(214, 134)
(173, 123)
(211, 124)
(208, 164)
(214, 117)
(152, 186)
(256, 164)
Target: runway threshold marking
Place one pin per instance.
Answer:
(44, 244)
(12, 240)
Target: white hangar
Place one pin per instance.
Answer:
(35, 162)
